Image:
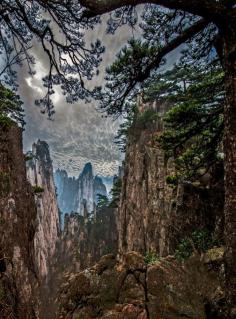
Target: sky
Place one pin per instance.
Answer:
(78, 134)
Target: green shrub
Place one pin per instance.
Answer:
(201, 240)
(151, 258)
(37, 189)
(29, 156)
(5, 121)
(172, 180)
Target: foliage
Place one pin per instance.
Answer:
(10, 108)
(133, 125)
(172, 180)
(115, 192)
(121, 138)
(72, 61)
(194, 125)
(145, 119)
(151, 258)
(201, 240)
(140, 60)
(29, 156)
(102, 201)
(37, 189)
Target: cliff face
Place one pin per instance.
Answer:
(17, 227)
(154, 216)
(66, 188)
(84, 240)
(40, 175)
(76, 195)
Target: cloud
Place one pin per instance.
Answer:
(78, 133)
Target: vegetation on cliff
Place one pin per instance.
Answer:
(10, 108)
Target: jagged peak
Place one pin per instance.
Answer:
(88, 169)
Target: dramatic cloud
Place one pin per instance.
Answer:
(78, 133)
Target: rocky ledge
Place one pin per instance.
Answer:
(132, 289)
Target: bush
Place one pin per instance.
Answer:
(151, 258)
(172, 180)
(37, 189)
(5, 121)
(201, 240)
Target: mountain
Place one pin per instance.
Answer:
(18, 220)
(78, 194)
(40, 174)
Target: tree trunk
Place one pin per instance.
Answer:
(229, 59)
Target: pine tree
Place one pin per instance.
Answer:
(10, 107)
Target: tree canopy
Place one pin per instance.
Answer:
(60, 27)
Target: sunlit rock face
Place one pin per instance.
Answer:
(40, 175)
(18, 281)
(78, 195)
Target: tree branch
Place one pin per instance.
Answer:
(210, 10)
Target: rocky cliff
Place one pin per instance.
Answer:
(154, 215)
(40, 175)
(85, 240)
(18, 220)
(78, 194)
(132, 289)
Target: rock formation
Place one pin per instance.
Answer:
(40, 175)
(76, 194)
(18, 219)
(132, 289)
(85, 240)
(153, 215)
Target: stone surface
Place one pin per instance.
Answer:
(154, 216)
(40, 174)
(132, 289)
(18, 216)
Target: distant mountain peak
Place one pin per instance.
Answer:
(88, 169)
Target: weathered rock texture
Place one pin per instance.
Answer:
(78, 195)
(17, 228)
(133, 290)
(85, 240)
(154, 215)
(40, 175)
